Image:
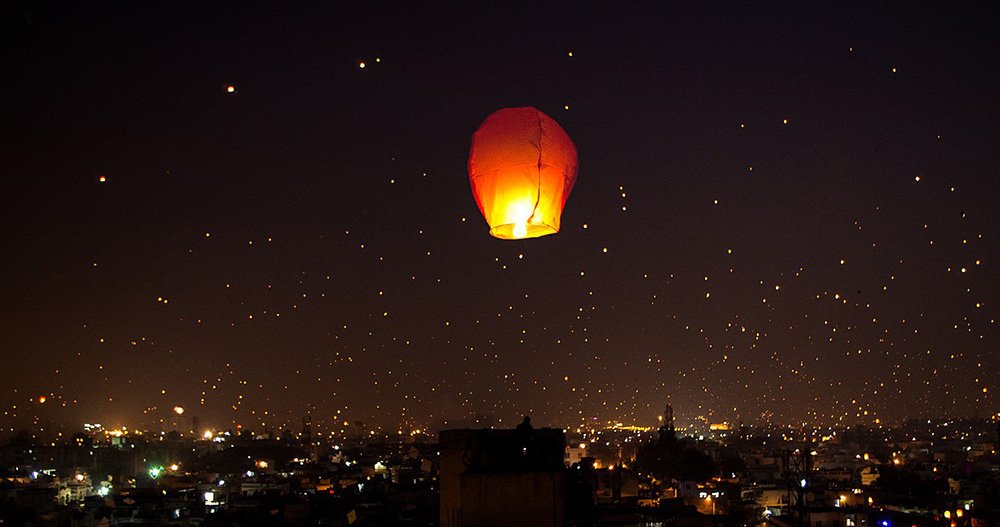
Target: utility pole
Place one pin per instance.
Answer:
(798, 478)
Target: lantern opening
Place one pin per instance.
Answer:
(517, 231)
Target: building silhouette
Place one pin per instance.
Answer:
(492, 477)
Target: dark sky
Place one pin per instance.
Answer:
(784, 213)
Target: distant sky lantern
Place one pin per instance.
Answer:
(522, 167)
(178, 410)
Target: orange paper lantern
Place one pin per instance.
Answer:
(522, 167)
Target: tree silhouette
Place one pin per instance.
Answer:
(668, 458)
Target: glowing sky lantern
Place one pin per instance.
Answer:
(522, 167)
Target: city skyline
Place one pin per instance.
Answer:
(783, 214)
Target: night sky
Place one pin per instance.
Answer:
(784, 214)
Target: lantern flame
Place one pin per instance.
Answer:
(522, 212)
